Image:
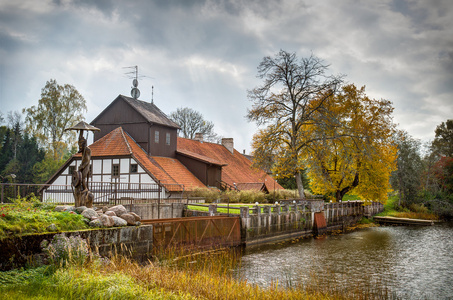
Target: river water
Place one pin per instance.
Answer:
(408, 262)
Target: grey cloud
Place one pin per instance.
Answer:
(399, 49)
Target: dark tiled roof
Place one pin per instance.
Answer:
(148, 110)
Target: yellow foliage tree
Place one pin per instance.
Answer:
(355, 152)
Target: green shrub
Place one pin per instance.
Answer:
(209, 194)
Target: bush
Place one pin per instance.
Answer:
(418, 208)
(248, 196)
(209, 194)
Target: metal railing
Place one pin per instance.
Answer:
(104, 192)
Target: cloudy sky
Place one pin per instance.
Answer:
(204, 54)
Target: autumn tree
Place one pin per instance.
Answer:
(193, 122)
(60, 107)
(283, 106)
(354, 152)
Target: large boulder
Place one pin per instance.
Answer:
(118, 222)
(107, 221)
(118, 210)
(95, 223)
(61, 208)
(80, 209)
(137, 217)
(130, 219)
(90, 213)
(110, 213)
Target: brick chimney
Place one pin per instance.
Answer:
(229, 144)
(199, 137)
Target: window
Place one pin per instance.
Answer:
(134, 168)
(71, 170)
(167, 140)
(156, 137)
(115, 170)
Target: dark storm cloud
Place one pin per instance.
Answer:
(204, 54)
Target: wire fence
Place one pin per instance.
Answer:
(109, 193)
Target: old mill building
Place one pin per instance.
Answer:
(139, 144)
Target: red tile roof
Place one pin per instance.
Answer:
(237, 168)
(169, 172)
(112, 144)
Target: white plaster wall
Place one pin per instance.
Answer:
(135, 178)
(124, 165)
(107, 166)
(97, 166)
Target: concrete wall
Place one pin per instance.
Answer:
(148, 211)
(274, 223)
(294, 218)
(135, 241)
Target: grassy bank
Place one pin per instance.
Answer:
(30, 216)
(414, 211)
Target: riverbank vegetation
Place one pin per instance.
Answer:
(424, 176)
(74, 274)
(413, 211)
(30, 216)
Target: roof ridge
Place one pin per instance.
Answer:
(125, 139)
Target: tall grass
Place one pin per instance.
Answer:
(176, 275)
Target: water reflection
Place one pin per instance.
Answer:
(412, 262)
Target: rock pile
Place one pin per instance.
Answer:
(115, 216)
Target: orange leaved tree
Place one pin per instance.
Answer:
(354, 152)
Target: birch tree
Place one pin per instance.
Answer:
(60, 107)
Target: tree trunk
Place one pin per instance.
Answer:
(300, 185)
(339, 194)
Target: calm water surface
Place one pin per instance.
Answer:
(411, 262)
